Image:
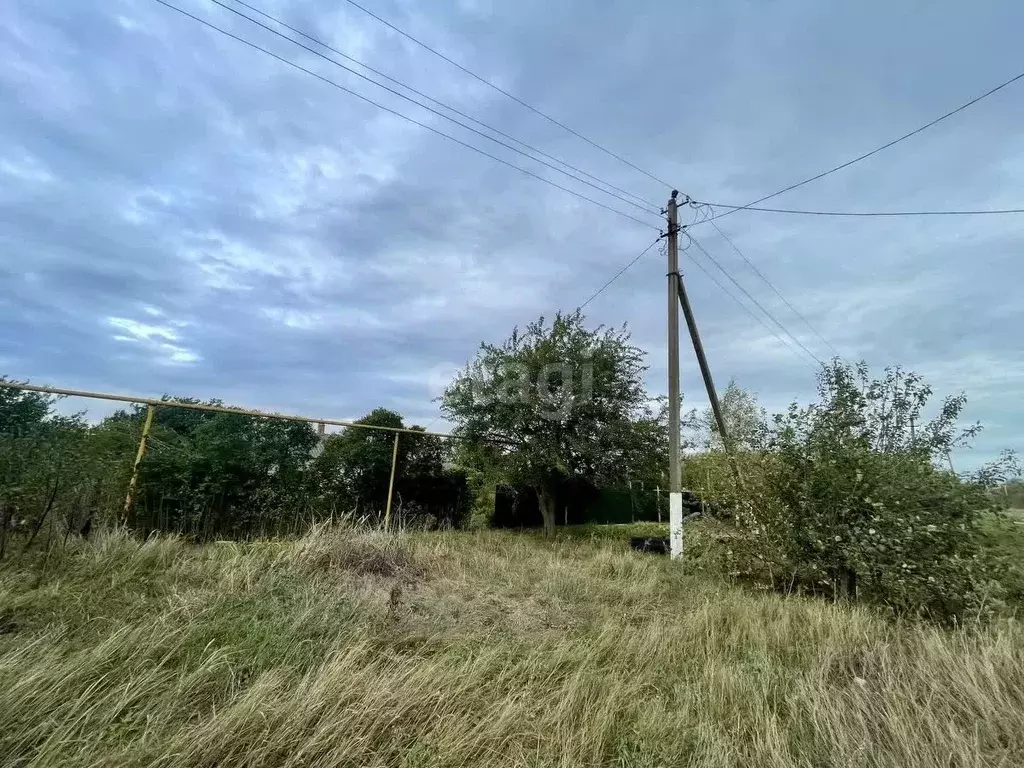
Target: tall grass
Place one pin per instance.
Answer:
(448, 649)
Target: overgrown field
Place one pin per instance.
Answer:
(447, 649)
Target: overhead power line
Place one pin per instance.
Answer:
(645, 204)
(620, 273)
(803, 356)
(389, 110)
(704, 213)
(771, 285)
(647, 208)
(502, 91)
(752, 205)
(753, 300)
(876, 150)
(999, 211)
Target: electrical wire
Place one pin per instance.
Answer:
(693, 241)
(756, 303)
(647, 208)
(771, 285)
(999, 211)
(368, 100)
(701, 213)
(502, 91)
(753, 205)
(875, 151)
(431, 99)
(805, 355)
(750, 312)
(644, 207)
(620, 273)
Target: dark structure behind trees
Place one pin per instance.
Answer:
(580, 503)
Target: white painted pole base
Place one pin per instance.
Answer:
(675, 524)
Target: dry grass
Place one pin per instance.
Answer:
(353, 649)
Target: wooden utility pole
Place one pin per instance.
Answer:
(675, 480)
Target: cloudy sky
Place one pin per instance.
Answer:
(180, 213)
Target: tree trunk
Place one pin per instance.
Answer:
(845, 585)
(546, 500)
(6, 515)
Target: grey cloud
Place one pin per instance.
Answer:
(321, 255)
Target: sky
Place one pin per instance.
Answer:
(182, 214)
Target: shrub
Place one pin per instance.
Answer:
(852, 499)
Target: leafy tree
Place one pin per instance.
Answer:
(55, 471)
(22, 412)
(744, 417)
(429, 485)
(24, 448)
(556, 401)
(483, 474)
(712, 471)
(211, 472)
(856, 498)
(354, 470)
(355, 465)
(206, 473)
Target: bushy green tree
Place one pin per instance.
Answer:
(353, 471)
(857, 499)
(21, 411)
(354, 467)
(557, 401)
(225, 473)
(56, 471)
(1012, 492)
(207, 473)
(716, 471)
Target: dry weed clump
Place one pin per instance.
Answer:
(365, 553)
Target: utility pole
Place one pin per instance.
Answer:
(675, 480)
